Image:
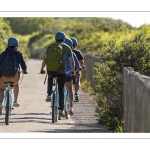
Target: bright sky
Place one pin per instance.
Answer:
(136, 19)
(134, 12)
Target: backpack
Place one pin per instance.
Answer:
(9, 66)
(54, 57)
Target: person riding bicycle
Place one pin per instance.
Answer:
(81, 61)
(61, 72)
(12, 48)
(69, 76)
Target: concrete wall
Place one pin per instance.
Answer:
(136, 101)
(90, 65)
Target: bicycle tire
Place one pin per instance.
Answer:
(7, 109)
(53, 107)
(67, 105)
(56, 113)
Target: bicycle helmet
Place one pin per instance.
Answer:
(68, 42)
(75, 42)
(60, 36)
(13, 41)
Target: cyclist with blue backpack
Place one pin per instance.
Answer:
(10, 61)
(69, 76)
(55, 62)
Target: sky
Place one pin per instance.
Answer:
(133, 12)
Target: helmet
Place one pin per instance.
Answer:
(60, 36)
(68, 42)
(75, 42)
(13, 41)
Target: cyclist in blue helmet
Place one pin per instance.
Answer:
(60, 73)
(81, 61)
(69, 77)
(12, 48)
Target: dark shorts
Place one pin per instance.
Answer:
(68, 78)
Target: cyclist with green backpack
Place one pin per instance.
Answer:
(55, 62)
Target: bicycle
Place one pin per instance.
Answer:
(54, 104)
(8, 100)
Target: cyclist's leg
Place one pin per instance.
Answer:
(61, 81)
(76, 87)
(49, 89)
(49, 86)
(15, 79)
(16, 92)
(68, 84)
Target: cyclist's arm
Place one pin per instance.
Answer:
(81, 60)
(82, 63)
(70, 55)
(23, 64)
(43, 65)
(72, 63)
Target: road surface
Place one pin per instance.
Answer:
(33, 115)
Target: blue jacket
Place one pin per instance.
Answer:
(18, 55)
(77, 65)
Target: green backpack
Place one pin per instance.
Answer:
(54, 57)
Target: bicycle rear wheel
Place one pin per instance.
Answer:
(7, 109)
(67, 105)
(53, 107)
(56, 113)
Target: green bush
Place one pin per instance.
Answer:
(131, 53)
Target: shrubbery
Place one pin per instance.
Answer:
(130, 53)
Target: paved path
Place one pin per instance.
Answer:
(33, 116)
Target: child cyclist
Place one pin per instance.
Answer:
(68, 82)
(81, 61)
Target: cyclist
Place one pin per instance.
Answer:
(61, 72)
(68, 82)
(12, 48)
(81, 61)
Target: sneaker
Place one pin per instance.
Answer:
(76, 98)
(71, 111)
(61, 114)
(16, 104)
(48, 99)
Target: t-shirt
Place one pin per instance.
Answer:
(78, 54)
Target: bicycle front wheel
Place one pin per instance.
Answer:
(53, 107)
(7, 109)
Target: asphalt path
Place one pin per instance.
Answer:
(33, 115)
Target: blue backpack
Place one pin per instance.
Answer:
(9, 66)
